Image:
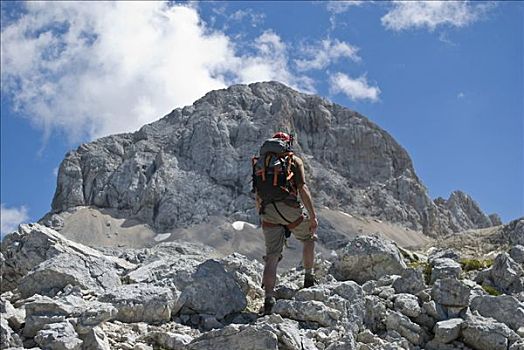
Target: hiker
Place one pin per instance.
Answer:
(278, 183)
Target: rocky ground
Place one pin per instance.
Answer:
(58, 294)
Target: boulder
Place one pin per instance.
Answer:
(8, 338)
(213, 291)
(407, 304)
(314, 311)
(451, 292)
(53, 275)
(514, 232)
(504, 308)
(505, 274)
(58, 336)
(445, 268)
(448, 330)
(366, 258)
(395, 321)
(34, 244)
(517, 254)
(486, 334)
(15, 316)
(411, 281)
(142, 302)
(236, 337)
(96, 339)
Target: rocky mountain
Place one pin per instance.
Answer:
(194, 164)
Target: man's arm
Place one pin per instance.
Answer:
(305, 196)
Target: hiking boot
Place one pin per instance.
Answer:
(309, 280)
(269, 302)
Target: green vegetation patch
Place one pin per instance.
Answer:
(491, 290)
(475, 264)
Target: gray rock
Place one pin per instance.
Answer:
(411, 281)
(213, 291)
(505, 275)
(142, 303)
(504, 308)
(514, 232)
(451, 292)
(517, 254)
(375, 313)
(486, 334)
(173, 341)
(236, 337)
(34, 244)
(447, 331)
(445, 268)
(181, 169)
(346, 343)
(15, 316)
(96, 339)
(86, 272)
(436, 311)
(43, 310)
(408, 305)
(58, 336)
(8, 338)
(365, 258)
(395, 321)
(314, 311)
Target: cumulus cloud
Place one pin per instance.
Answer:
(325, 52)
(355, 89)
(10, 218)
(96, 68)
(431, 14)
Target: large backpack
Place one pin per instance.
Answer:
(273, 172)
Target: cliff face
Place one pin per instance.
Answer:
(195, 163)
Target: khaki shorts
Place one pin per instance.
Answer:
(275, 236)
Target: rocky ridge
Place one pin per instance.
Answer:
(194, 164)
(181, 295)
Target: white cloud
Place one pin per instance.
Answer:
(355, 89)
(431, 14)
(97, 68)
(337, 7)
(254, 18)
(461, 95)
(10, 218)
(323, 53)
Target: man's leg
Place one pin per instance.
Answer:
(270, 274)
(308, 254)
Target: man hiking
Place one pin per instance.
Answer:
(278, 182)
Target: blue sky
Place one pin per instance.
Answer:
(444, 78)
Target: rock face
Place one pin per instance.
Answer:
(195, 163)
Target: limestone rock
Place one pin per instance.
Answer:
(451, 292)
(212, 291)
(517, 254)
(504, 308)
(485, 334)
(34, 244)
(366, 258)
(96, 339)
(447, 331)
(514, 232)
(408, 305)
(141, 303)
(445, 268)
(8, 338)
(411, 331)
(307, 311)
(505, 274)
(58, 336)
(411, 281)
(15, 316)
(236, 337)
(86, 272)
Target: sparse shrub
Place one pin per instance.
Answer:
(475, 264)
(491, 290)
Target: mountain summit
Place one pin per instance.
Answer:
(194, 164)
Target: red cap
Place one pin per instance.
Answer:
(283, 136)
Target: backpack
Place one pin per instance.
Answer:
(272, 171)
